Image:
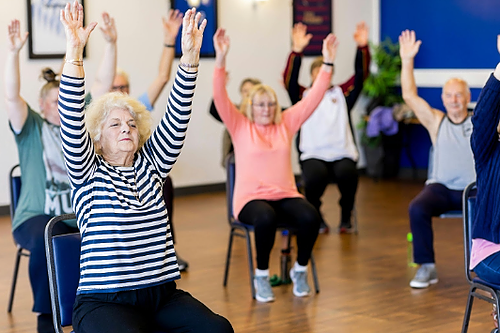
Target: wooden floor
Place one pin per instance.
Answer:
(363, 278)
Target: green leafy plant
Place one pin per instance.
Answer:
(381, 86)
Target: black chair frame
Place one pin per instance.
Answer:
(242, 230)
(478, 287)
(15, 191)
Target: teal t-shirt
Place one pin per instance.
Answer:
(33, 174)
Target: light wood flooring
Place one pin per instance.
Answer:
(363, 278)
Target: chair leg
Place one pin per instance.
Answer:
(19, 253)
(250, 262)
(228, 256)
(314, 273)
(468, 309)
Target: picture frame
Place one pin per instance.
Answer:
(46, 39)
(317, 16)
(208, 8)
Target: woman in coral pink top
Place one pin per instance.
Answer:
(265, 193)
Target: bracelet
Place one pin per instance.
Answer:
(328, 63)
(189, 65)
(169, 45)
(76, 62)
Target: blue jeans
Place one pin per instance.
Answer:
(489, 268)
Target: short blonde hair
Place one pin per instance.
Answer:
(99, 110)
(122, 73)
(317, 62)
(258, 90)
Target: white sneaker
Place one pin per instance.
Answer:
(425, 276)
(263, 291)
(300, 285)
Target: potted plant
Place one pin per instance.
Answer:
(382, 152)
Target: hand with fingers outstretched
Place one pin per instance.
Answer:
(76, 35)
(15, 40)
(329, 50)
(300, 37)
(192, 38)
(408, 45)
(361, 34)
(171, 26)
(221, 46)
(108, 29)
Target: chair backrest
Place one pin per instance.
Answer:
(15, 188)
(230, 178)
(469, 203)
(63, 263)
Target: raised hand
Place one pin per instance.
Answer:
(72, 20)
(15, 40)
(171, 25)
(498, 43)
(408, 45)
(109, 28)
(361, 34)
(330, 45)
(192, 36)
(221, 42)
(300, 37)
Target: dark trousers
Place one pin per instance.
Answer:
(317, 174)
(30, 235)
(267, 216)
(434, 200)
(161, 308)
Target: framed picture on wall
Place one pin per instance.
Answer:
(208, 9)
(317, 15)
(46, 33)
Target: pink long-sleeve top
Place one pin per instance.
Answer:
(263, 152)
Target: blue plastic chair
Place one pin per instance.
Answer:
(63, 264)
(469, 201)
(15, 192)
(243, 230)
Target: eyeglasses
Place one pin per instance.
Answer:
(120, 88)
(263, 105)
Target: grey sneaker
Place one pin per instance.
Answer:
(425, 276)
(263, 291)
(300, 285)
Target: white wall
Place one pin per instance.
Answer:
(260, 42)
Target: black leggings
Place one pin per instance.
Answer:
(267, 216)
(162, 308)
(318, 173)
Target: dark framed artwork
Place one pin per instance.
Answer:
(208, 9)
(46, 33)
(317, 15)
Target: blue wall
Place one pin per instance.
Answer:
(454, 34)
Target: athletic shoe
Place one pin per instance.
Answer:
(263, 290)
(300, 285)
(425, 276)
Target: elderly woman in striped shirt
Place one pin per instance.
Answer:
(116, 168)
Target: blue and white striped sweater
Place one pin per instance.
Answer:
(126, 238)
